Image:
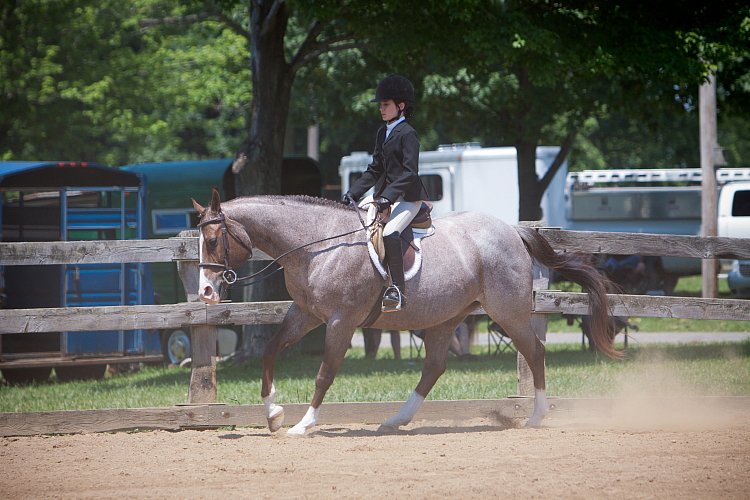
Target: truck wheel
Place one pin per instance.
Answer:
(175, 346)
(19, 376)
(84, 372)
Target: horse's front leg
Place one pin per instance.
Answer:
(338, 338)
(296, 324)
(436, 341)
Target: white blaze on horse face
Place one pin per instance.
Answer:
(208, 292)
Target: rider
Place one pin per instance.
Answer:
(394, 173)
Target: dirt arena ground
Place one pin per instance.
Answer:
(641, 445)
(645, 453)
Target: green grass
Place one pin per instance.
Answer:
(716, 369)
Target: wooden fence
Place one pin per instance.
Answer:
(203, 319)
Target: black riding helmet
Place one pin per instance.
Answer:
(394, 87)
(397, 88)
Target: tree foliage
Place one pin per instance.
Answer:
(164, 79)
(538, 72)
(85, 80)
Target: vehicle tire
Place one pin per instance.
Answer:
(175, 346)
(84, 372)
(669, 282)
(20, 376)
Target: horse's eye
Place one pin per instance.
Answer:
(212, 243)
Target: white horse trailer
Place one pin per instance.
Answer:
(468, 177)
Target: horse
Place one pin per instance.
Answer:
(471, 260)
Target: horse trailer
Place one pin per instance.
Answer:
(468, 177)
(67, 201)
(170, 186)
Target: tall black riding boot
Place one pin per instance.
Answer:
(394, 299)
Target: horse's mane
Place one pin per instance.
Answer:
(297, 199)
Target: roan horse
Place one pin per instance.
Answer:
(472, 260)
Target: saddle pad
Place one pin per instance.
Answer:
(416, 242)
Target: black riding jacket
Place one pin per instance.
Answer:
(394, 170)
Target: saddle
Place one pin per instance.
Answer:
(420, 227)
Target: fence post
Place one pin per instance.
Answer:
(203, 339)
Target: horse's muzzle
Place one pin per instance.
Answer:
(208, 294)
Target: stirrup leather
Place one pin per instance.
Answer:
(390, 305)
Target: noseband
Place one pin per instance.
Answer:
(228, 274)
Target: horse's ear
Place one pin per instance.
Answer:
(215, 200)
(198, 208)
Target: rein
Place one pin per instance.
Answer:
(229, 275)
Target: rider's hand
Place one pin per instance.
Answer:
(382, 203)
(348, 200)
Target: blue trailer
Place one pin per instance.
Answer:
(170, 186)
(66, 201)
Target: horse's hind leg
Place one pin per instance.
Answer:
(532, 349)
(436, 341)
(296, 324)
(338, 338)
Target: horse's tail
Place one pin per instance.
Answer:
(574, 268)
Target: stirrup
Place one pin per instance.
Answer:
(390, 305)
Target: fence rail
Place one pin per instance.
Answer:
(248, 313)
(666, 245)
(186, 248)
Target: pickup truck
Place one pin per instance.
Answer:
(734, 222)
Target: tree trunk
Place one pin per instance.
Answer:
(529, 185)
(258, 163)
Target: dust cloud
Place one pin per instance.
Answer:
(651, 394)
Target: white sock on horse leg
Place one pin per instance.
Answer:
(406, 412)
(272, 409)
(309, 420)
(541, 408)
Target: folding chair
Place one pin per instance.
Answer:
(498, 339)
(416, 342)
(621, 326)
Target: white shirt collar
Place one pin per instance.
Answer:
(389, 127)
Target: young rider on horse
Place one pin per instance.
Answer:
(394, 173)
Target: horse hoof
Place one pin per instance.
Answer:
(276, 421)
(533, 424)
(393, 423)
(296, 431)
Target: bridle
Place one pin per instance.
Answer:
(229, 275)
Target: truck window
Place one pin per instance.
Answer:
(433, 183)
(741, 204)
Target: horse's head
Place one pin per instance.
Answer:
(224, 245)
